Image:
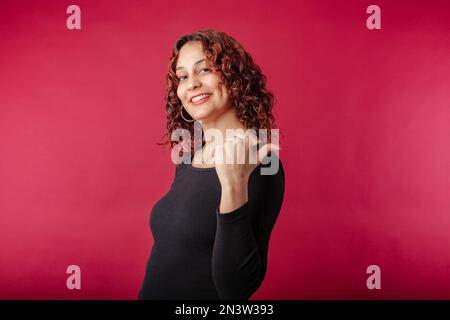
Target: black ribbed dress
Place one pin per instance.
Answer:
(199, 253)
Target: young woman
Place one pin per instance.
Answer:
(211, 230)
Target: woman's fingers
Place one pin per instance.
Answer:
(264, 151)
(243, 149)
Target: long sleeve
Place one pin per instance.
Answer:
(240, 252)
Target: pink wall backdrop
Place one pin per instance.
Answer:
(365, 118)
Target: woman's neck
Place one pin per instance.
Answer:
(226, 120)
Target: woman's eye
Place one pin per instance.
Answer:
(203, 70)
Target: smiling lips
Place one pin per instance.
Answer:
(200, 98)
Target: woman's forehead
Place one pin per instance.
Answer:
(189, 54)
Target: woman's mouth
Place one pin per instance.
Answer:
(199, 99)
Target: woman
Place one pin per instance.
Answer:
(211, 230)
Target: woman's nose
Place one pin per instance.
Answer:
(193, 83)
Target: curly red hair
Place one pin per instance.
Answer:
(246, 84)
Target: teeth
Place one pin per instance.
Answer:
(200, 97)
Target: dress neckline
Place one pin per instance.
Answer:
(200, 168)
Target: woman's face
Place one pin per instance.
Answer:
(200, 89)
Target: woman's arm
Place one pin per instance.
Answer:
(233, 196)
(242, 236)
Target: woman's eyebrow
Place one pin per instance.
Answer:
(199, 61)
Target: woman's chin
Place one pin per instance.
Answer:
(202, 115)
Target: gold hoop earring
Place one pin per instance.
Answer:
(181, 113)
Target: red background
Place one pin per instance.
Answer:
(365, 118)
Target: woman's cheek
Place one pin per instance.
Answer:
(179, 95)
